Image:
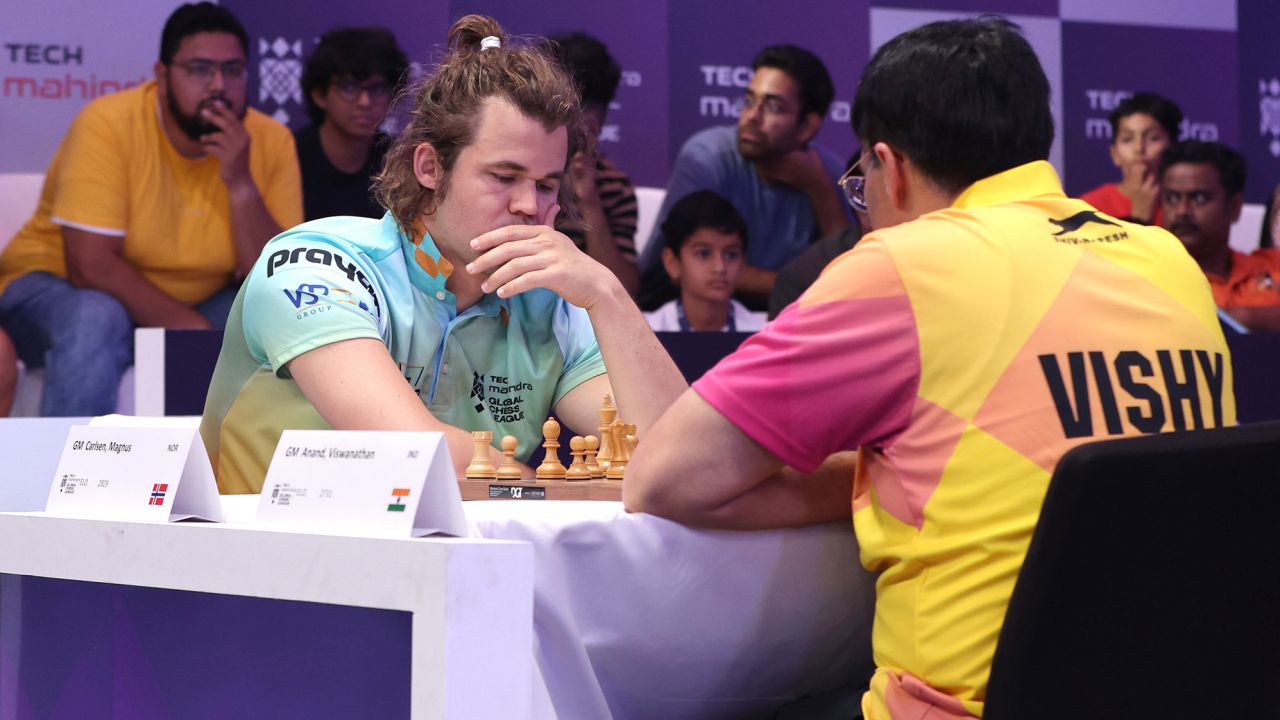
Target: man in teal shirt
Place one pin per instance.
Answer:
(463, 289)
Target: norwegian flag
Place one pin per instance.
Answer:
(157, 493)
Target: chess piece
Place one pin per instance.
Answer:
(550, 469)
(481, 467)
(608, 413)
(621, 450)
(578, 470)
(592, 447)
(510, 468)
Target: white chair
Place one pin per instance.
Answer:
(19, 195)
(1248, 229)
(648, 202)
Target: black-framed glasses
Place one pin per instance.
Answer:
(350, 90)
(854, 187)
(203, 70)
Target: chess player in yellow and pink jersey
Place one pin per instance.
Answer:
(986, 326)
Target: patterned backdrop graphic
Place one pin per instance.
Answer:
(684, 63)
(279, 77)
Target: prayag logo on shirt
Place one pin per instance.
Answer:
(319, 256)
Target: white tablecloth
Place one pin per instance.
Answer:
(638, 617)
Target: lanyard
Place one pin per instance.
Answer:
(730, 326)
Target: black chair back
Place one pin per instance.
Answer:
(1151, 587)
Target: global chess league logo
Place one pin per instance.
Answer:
(1269, 113)
(280, 76)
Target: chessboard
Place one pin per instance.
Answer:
(595, 473)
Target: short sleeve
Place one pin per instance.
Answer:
(282, 188)
(92, 172)
(836, 370)
(304, 293)
(577, 339)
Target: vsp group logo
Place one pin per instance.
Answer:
(1269, 113)
(280, 75)
(307, 297)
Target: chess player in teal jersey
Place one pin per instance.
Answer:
(462, 308)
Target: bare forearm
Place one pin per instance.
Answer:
(251, 224)
(147, 305)
(787, 499)
(726, 479)
(644, 378)
(376, 399)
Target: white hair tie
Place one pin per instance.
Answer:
(490, 42)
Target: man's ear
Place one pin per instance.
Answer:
(162, 79)
(671, 264)
(320, 98)
(426, 166)
(892, 174)
(1234, 204)
(810, 124)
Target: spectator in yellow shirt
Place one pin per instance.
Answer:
(156, 204)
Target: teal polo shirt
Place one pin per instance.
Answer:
(500, 365)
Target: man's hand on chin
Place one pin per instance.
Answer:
(801, 168)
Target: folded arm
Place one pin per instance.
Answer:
(375, 398)
(97, 262)
(697, 468)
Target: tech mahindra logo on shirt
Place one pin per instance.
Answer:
(503, 396)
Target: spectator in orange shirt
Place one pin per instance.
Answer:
(1142, 126)
(1202, 186)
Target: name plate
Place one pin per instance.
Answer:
(377, 484)
(517, 492)
(155, 474)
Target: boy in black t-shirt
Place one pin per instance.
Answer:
(348, 84)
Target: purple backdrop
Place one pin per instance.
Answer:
(710, 64)
(280, 37)
(682, 64)
(635, 133)
(1194, 68)
(1260, 95)
(1004, 7)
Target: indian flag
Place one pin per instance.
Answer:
(397, 499)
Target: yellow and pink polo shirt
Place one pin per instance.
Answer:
(964, 353)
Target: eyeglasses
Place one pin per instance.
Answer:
(203, 70)
(854, 186)
(771, 105)
(351, 90)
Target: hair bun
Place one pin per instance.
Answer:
(474, 33)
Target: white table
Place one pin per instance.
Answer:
(629, 616)
(470, 599)
(638, 617)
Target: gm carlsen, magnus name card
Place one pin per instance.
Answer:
(156, 474)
